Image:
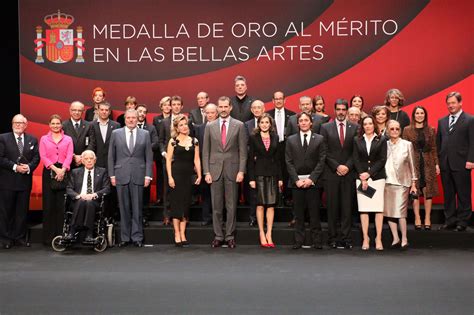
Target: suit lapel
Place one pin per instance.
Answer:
(230, 132)
(80, 178)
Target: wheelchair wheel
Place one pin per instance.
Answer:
(57, 245)
(101, 244)
(110, 235)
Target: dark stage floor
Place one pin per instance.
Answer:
(247, 280)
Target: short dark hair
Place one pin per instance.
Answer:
(298, 116)
(272, 123)
(457, 95)
(361, 129)
(341, 101)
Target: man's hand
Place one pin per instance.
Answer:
(22, 168)
(300, 183)
(252, 184)
(113, 181)
(240, 177)
(208, 178)
(469, 165)
(147, 182)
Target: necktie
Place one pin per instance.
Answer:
(76, 127)
(131, 144)
(203, 114)
(451, 124)
(223, 133)
(341, 133)
(279, 122)
(20, 145)
(89, 182)
(305, 142)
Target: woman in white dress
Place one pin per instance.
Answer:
(400, 182)
(370, 155)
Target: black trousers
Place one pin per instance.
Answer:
(339, 200)
(84, 213)
(307, 198)
(53, 209)
(457, 196)
(13, 210)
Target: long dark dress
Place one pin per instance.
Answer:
(182, 170)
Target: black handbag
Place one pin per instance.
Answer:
(58, 185)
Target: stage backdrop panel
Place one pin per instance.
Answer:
(149, 49)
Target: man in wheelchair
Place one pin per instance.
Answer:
(86, 186)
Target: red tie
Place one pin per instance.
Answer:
(341, 134)
(223, 133)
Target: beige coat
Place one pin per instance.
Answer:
(400, 166)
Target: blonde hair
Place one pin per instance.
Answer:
(176, 120)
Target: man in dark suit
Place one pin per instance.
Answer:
(142, 124)
(130, 170)
(102, 129)
(198, 115)
(224, 157)
(165, 107)
(80, 131)
(306, 105)
(339, 175)
(305, 155)
(241, 101)
(455, 142)
(19, 158)
(205, 188)
(281, 116)
(86, 186)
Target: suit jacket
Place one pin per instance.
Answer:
(337, 155)
(130, 167)
(155, 145)
(84, 140)
(373, 162)
(9, 154)
(288, 114)
(455, 148)
(76, 177)
(228, 160)
(241, 112)
(301, 162)
(249, 126)
(400, 166)
(261, 162)
(196, 117)
(101, 148)
(292, 126)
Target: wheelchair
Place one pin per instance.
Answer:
(103, 231)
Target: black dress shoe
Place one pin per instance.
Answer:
(460, 228)
(291, 223)
(216, 243)
(404, 247)
(123, 244)
(332, 245)
(138, 244)
(206, 223)
(318, 246)
(348, 245)
(340, 245)
(231, 243)
(22, 243)
(297, 246)
(185, 243)
(8, 245)
(145, 223)
(253, 223)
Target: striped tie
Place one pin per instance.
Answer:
(451, 124)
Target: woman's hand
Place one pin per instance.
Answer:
(280, 185)
(413, 188)
(198, 180)
(437, 170)
(252, 184)
(171, 182)
(364, 176)
(365, 185)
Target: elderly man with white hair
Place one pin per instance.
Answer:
(86, 186)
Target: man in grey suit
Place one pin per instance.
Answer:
(224, 160)
(130, 169)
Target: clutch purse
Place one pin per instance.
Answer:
(369, 192)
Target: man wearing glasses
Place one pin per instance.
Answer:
(19, 157)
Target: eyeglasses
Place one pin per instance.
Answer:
(18, 122)
(393, 128)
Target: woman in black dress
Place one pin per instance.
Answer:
(264, 170)
(182, 159)
(319, 108)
